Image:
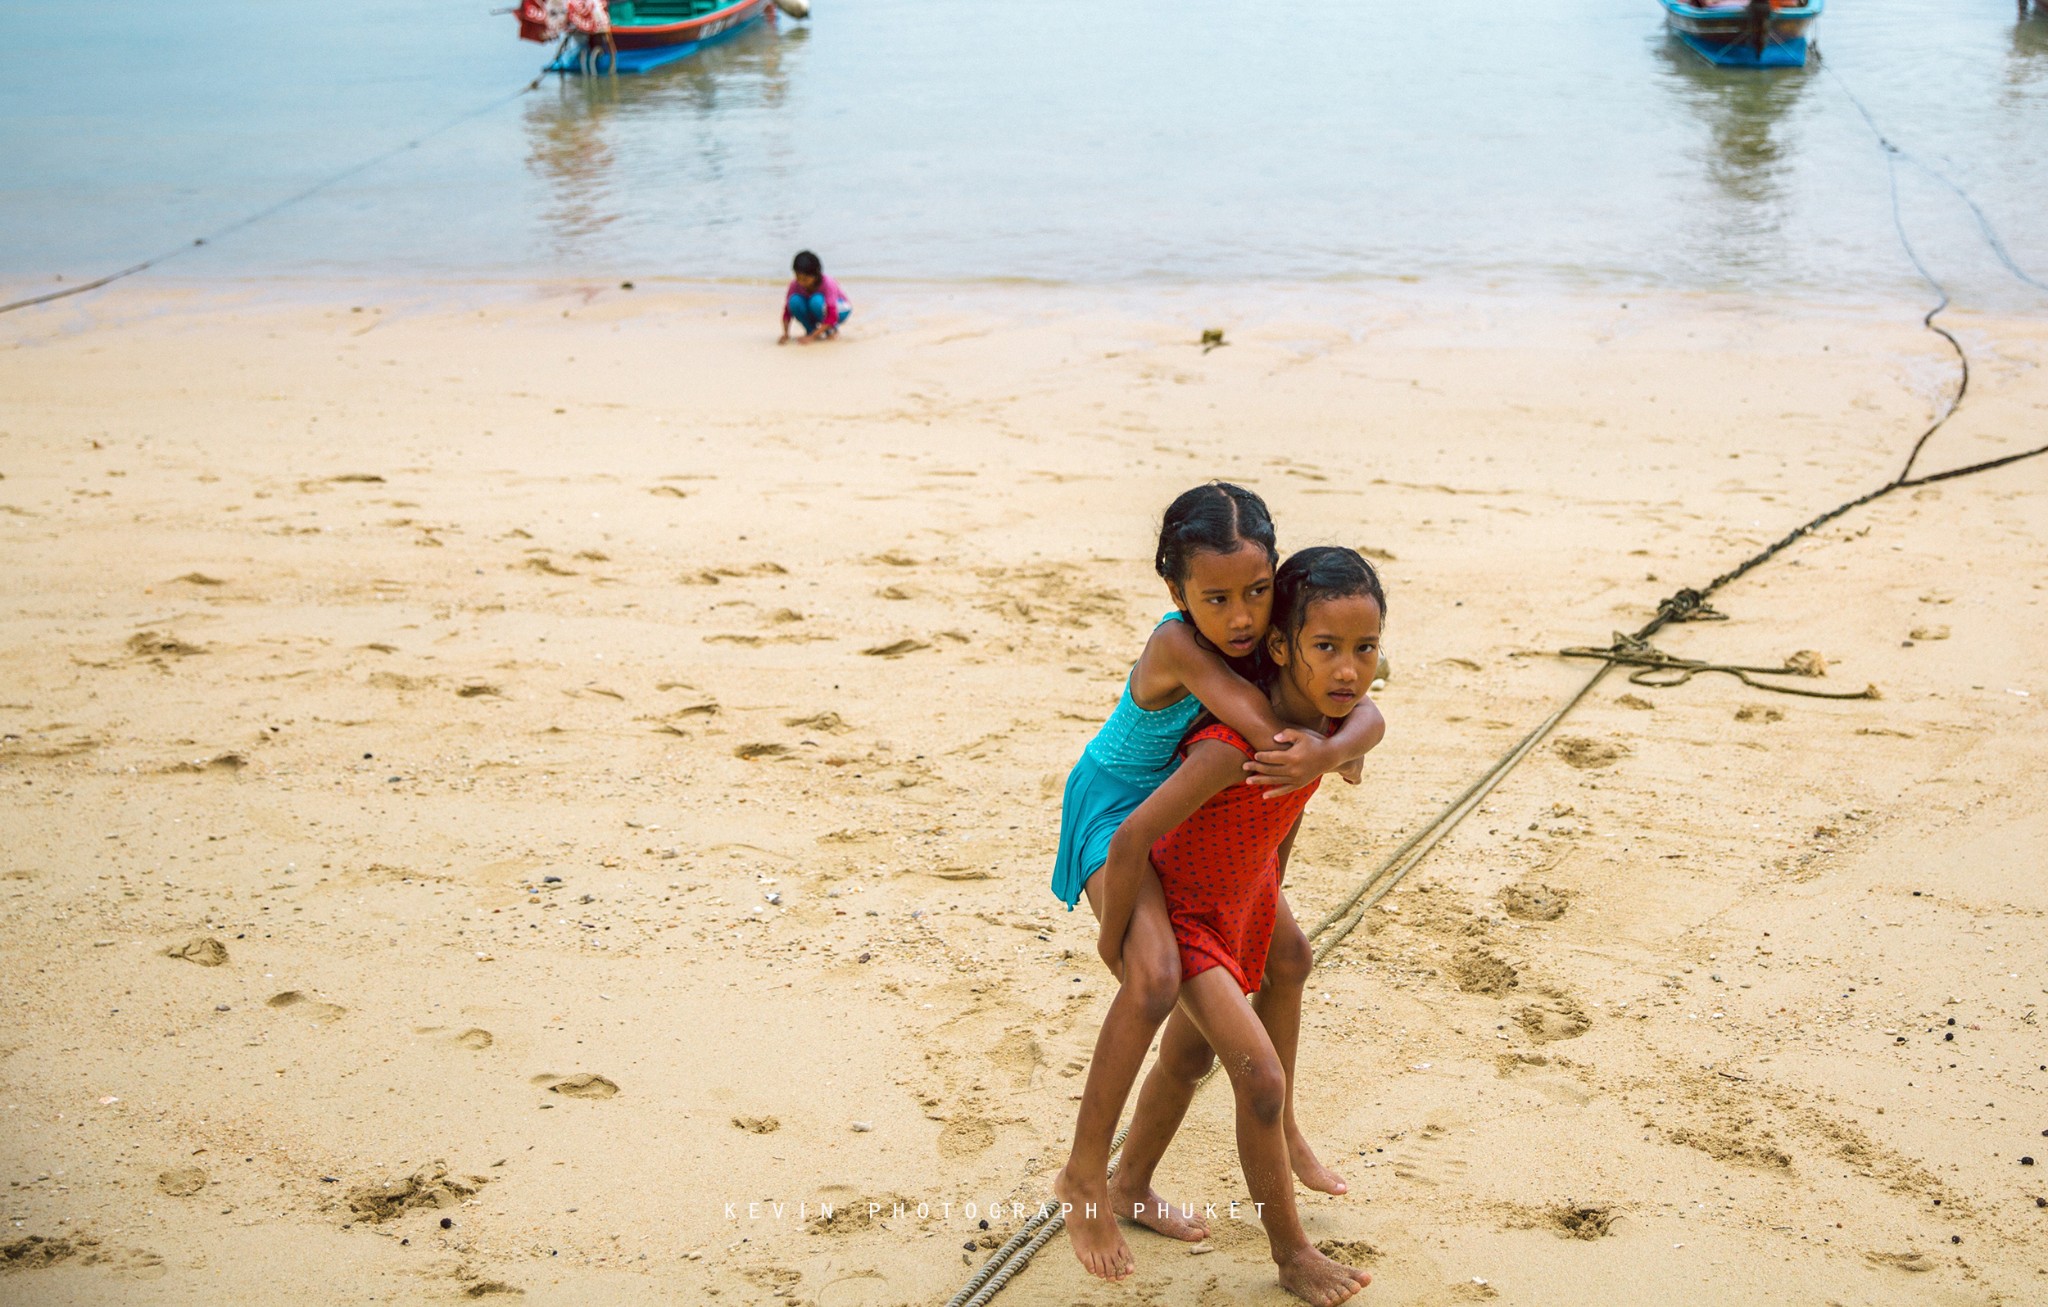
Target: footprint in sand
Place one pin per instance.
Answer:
(585, 1084)
(1351, 1252)
(220, 762)
(153, 644)
(966, 1136)
(1019, 1053)
(1908, 1261)
(1431, 1156)
(475, 1039)
(829, 722)
(181, 1182)
(34, 1252)
(306, 1006)
(491, 1289)
(1535, 902)
(200, 949)
(1583, 1221)
(398, 681)
(1588, 754)
(430, 1186)
(757, 1125)
(1481, 971)
(1553, 1018)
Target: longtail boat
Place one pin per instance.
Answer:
(635, 35)
(1746, 33)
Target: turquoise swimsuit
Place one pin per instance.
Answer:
(1128, 758)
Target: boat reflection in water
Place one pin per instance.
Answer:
(2027, 65)
(656, 145)
(1748, 157)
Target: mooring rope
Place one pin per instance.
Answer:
(280, 205)
(1626, 650)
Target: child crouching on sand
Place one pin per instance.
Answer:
(1220, 856)
(814, 300)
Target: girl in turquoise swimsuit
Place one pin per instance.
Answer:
(1217, 551)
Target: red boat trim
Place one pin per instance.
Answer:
(676, 29)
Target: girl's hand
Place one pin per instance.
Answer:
(1111, 951)
(1298, 758)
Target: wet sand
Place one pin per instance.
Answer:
(493, 778)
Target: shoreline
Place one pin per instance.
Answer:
(333, 636)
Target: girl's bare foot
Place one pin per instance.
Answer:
(1314, 1278)
(1312, 1173)
(1091, 1227)
(1148, 1209)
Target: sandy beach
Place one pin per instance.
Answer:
(530, 792)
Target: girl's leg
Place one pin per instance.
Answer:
(1220, 1012)
(806, 317)
(1184, 1058)
(1151, 980)
(1278, 1004)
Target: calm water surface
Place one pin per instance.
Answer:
(1058, 141)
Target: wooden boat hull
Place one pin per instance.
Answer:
(1723, 35)
(647, 40)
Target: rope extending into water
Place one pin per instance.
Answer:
(279, 206)
(1635, 650)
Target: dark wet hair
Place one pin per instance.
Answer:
(1215, 518)
(806, 264)
(1317, 573)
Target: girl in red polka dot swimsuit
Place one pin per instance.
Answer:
(1220, 851)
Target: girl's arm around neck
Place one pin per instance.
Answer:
(1210, 766)
(1342, 752)
(1288, 757)
(1178, 658)
(1360, 734)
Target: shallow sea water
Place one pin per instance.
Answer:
(1057, 142)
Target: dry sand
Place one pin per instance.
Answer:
(613, 764)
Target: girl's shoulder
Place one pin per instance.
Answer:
(1219, 732)
(1171, 634)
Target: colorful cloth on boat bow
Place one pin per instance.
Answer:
(541, 20)
(590, 16)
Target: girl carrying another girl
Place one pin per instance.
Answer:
(1220, 856)
(1216, 554)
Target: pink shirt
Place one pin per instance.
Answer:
(834, 298)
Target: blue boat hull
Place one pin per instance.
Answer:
(1726, 37)
(1741, 54)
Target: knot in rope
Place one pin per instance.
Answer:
(1688, 605)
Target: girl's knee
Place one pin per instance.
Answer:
(1152, 976)
(1262, 1090)
(1289, 959)
(1186, 1062)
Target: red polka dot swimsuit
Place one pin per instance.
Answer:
(1221, 872)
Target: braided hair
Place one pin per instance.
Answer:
(1318, 573)
(1215, 518)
